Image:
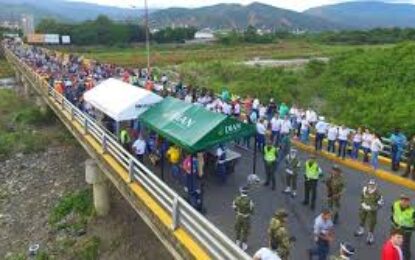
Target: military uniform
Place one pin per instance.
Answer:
(292, 166)
(244, 207)
(278, 233)
(371, 200)
(335, 187)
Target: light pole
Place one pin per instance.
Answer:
(147, 37)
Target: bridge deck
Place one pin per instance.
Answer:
(218, 200)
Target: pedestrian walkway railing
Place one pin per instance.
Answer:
(217, 244)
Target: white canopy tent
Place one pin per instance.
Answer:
(119, 100)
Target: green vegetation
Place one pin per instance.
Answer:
(174, 54)
(89, 248)
(104, 31)
(5, 69)
(79, 204)
(375, 36)
(25, 129)
(361, 87)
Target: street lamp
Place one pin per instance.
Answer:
(147, 34)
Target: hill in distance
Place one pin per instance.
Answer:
(236, 16)
(63, 10)
(367, 14)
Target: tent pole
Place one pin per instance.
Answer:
(255, 151)
(162, 164)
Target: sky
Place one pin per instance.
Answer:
(297, 5)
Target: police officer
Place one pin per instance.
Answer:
(270, 158)
(312, 175)
(335, 188)
(292, 166)
(370, 202)
(125, 139)
(346, 252)
(279, 235)
(403, 218)
(244, 208)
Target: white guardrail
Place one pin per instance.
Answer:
(218, 245)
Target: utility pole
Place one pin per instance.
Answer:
(147, 37)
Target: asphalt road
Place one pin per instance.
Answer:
(218, 199)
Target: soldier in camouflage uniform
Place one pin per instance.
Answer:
(244, 208)
(278, 233)
(292, 167)
(371, 200)
(346, 252)
(335, 188)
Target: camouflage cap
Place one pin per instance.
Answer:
(281, 213)
(243, 190)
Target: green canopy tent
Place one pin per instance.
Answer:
(192, 127)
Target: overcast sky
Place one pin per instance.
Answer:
(298, 5)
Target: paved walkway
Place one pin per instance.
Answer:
(218, 200)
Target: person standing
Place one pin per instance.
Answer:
(343, 139)
(346, 252)
(391, 250)
(323, 235)
(332, 134)
(321, 130)
(403, 217)
(244, 208)
(292, 167)
(335, 188)
(410, 163)
(357, 143)
(125, 139)
(139, 148)
(398, 143)
(278, 233)
(270, 158)
(304, 130)
(275, 129)
(261, 131)
(370, 202)
(312, 175)
(375, 148)
(367, 138)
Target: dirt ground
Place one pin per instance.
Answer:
(31, 185)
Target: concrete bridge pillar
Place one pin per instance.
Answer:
(100, 188)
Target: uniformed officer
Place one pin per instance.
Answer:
(312, 175)
(278, 233)
(403, 218)
(346, 252)
(370, 202)
(270, 158)
(335, 188)
(292, 166)
(244, 208)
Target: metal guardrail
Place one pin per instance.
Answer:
(217, 244)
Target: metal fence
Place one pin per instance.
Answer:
(217, 244)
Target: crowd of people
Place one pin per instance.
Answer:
(276, 125)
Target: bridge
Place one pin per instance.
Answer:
(186, 233)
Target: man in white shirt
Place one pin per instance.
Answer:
(366, 142)
(237, 109)
(323, 235)
(321, 129)
(267, 253)
(139, 148)
(343, 140)
(285, 128)
(261, 130)
(226, 108)
(332, 137)
(275, 129)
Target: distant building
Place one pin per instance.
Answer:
(10, 25)
(28, 25)
(205, 34)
